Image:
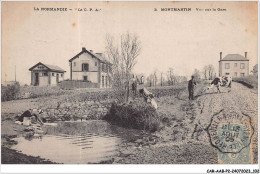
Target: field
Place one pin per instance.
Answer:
(182, 137)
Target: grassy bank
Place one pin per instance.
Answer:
(249, 81)
(137, 115)
(10, 156)
(140, 115)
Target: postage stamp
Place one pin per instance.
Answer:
(231, 134)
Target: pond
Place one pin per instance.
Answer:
(78, 142)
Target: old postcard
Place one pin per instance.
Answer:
(130, 83)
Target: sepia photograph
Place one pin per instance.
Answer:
(129, 83)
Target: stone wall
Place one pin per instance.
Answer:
(72, 111)
(93, 105)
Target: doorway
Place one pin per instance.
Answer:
(57, 78)
(36, 83)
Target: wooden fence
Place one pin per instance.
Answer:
(71, 84)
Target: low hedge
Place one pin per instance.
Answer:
(248, 81)
(10, 92)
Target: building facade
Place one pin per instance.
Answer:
(234, 65)
(90, 67)
(46, 75)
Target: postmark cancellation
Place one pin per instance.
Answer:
(231, 133)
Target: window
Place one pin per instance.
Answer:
(235, 64)
(102, 67)
(95, 63)
(85, 67)
(102, 81)
(227, 74)
(40, 67)
(44, 74)
(52, 74)
(235, 74)
(242, 74)
(242, 65)
(74, 64)
(227, 65)
(61, 75)
(85, 78)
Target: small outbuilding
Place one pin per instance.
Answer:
(45, 75)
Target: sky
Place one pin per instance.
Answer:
(182, 40)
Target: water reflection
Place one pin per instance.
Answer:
(78, 142)
(70, 150)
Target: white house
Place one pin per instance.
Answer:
(234, 65)
(91, 67)
(44, 75)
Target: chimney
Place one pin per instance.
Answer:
(91, 51)
(220, 54)
(246, 55)
(83, 49)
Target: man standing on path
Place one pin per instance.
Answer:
(191, 86)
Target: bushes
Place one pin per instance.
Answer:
(10, 92)
(137, 115)
(249, 81)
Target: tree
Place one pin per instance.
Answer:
(155, 78)
(150, 80)
(211, 71)
(162, 78)
(208, 72)
(255, 70)
(170, 76)
(124, 58)
(205, 72)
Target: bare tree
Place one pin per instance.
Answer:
(208, 72)
(170, 76)
(211, 71)
(255, 70)
(149, 80)
(205, 72)
(162, 79)
(155, 78)
(114, 56)
(124, 58)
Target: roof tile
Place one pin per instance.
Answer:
(234, 57)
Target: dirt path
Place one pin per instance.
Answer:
(185, 140)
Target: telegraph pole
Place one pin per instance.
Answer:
(161, 79)
(15, 73)
(171, 77)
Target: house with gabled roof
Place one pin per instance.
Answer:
(45, 75)
(91, 67)
(234, 65)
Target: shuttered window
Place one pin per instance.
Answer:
(85, 67)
